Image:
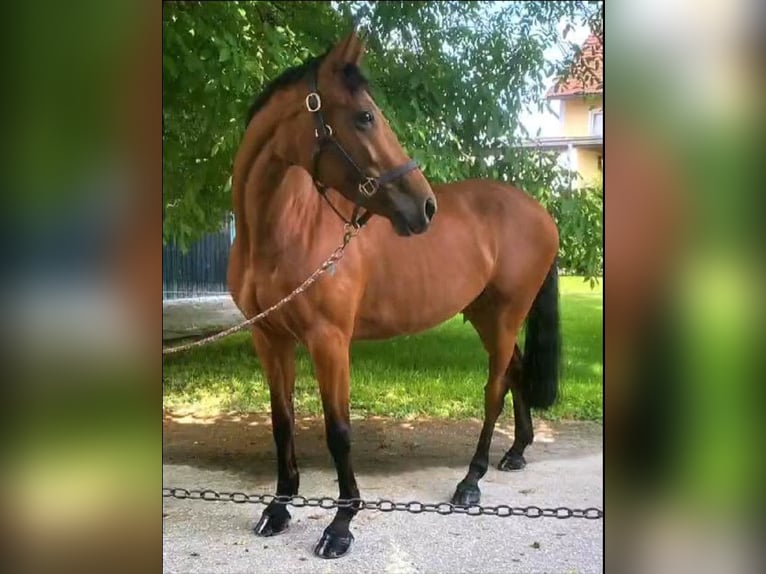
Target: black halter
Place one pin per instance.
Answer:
(368, 186)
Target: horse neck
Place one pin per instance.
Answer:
(283, 213)
(287, 208)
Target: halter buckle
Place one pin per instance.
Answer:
(368, 187)
(327, 132)
(318, 100)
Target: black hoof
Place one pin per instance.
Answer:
(512, 461)
(466, 494)
(272, 522)
(332, 544)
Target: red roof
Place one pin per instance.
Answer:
(587, 73)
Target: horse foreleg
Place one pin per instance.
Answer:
(330, 354)
(277, 357)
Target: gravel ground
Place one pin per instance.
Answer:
(420, 460)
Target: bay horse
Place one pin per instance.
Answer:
(316, 153)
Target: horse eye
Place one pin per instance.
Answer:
(364, 119)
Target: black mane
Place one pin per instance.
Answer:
(352, 78)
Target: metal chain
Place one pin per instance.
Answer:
(414, 507)
(350, 231)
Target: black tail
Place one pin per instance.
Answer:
(542, 345)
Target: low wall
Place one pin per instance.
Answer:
(198, 316)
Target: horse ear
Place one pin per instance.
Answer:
(350, 50)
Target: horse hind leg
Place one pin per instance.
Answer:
(534, 378)
(497, 327)
(523, 433)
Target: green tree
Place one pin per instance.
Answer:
(452, 78)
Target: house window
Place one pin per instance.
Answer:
(597, 122)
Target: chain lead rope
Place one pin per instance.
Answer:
(350, 232)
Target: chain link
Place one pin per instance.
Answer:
(384, 505)
(349, 233)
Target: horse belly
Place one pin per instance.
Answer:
(402, 304)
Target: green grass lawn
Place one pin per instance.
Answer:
(439, 373)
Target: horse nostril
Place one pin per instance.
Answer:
(430, 209)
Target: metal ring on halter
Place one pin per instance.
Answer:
(368, 187)
(318, 102)
(327, 129)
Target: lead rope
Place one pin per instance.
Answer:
(349, 232)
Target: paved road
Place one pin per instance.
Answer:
(565, 468)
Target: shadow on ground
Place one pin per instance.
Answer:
(243, 443)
